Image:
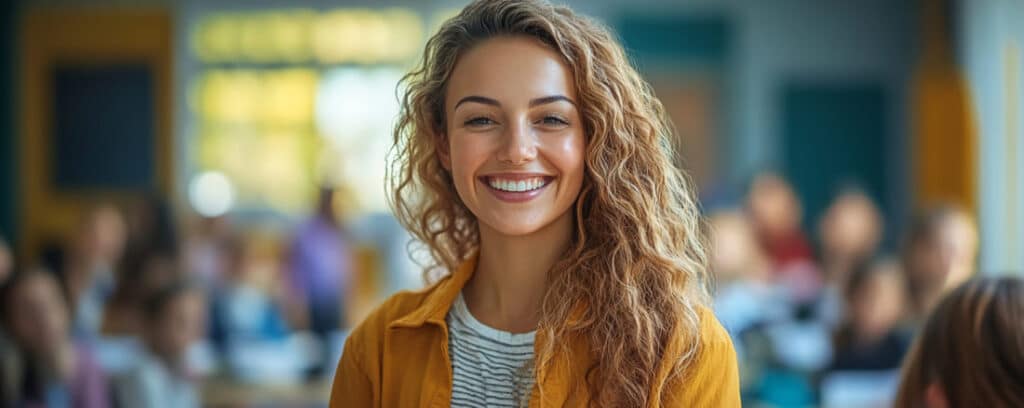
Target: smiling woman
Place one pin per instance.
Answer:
(534, 163)
(515, 139)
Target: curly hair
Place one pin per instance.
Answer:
(637, 261)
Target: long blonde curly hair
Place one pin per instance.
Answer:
(637, 261)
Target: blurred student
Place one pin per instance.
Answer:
(869, 337)
(244, 308)
(174, 321)
(776, 212)
(150, 227)
(89, 273)
(850, 232)
(10, 364)
(940, 253)
(55, 371)
(139, 276)
(321, 270)
(6, 260)
(746, 294)
(203, 250)
(958, 237)
(971, 351)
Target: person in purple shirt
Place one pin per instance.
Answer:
(56, 372)
(321, 266)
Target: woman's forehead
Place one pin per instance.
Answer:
(511, 70)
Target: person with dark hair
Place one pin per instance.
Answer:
(320, 270)
(10, 364)
(971, 350)
(850, 232)
(54, 370)
(6, 260)
(243, 308)
(150, 261)
(138, 277)
(151, 226)
(174, 319)
(868, 337)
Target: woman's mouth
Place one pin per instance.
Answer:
(516, 188)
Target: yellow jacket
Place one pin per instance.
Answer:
(398, 357)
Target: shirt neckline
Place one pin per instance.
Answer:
(461, 311)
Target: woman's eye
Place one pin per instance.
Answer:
(554, 121)
(479, 121)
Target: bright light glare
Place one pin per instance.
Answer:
(211, 194)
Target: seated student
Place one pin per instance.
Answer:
(54, 371)
(940, 252)
(10, 365)
(747, 295)
(244, 308)
(92, 256)
(247, 324)
(971, 351)
(140, 275)
(174, 320)
(6, 260)
(868, 338)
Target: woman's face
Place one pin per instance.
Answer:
(515, 136)
(39, 317)
(180, 325)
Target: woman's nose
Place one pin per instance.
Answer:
(519, 145)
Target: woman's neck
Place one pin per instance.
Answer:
(508, 286)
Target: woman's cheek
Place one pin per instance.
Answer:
(569, 157)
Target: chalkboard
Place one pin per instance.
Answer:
(103, 129)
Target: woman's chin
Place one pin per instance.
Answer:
(513, 229)
(523, 224)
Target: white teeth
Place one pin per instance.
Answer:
(517, 186)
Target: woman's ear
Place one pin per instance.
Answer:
(934, 397)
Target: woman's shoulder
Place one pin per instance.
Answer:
(715, 350)
(398, 307)
(713, 335)
(712, 378)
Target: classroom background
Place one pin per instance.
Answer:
(197, 187)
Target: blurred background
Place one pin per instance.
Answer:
(192, 208)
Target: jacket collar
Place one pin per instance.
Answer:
(555, 381)
(437, 302)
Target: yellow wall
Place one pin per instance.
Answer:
(84, 37)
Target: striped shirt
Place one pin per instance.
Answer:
(490, 367)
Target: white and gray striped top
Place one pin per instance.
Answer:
(490, 367)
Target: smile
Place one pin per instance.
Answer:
(516, 188)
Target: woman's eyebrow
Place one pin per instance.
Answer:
(550, 99)
(477, 99)
(533, 102)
